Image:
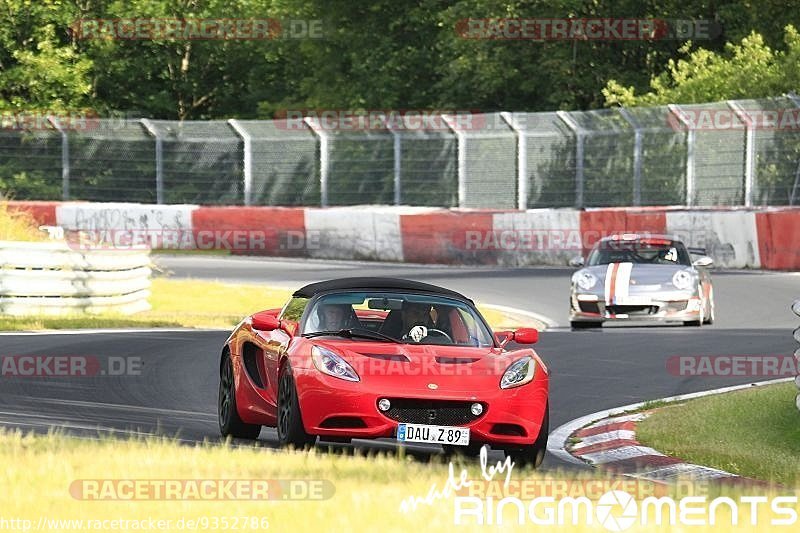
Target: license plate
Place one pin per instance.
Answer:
(433, 434)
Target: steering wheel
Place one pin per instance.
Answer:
(440, 333)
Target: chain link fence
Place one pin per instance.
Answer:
(744, 152)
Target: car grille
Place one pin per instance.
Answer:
(633, 309)
(434, 412)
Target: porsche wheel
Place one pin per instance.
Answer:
(533, 455)
(229, 422)
(290, 424)
(710, 310)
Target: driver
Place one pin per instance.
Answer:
(333, 317)
(416, 320)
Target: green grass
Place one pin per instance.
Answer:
(753, 433)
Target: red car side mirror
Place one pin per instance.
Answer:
(266, 321)
(526, 336)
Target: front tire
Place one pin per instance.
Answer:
(290, 423)
(230, 424)
(533, 455)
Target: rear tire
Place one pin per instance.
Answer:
(533, 455)
(290, 422)
(230, 424)
(584, 325)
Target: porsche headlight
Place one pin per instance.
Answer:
(682, 279)
(518, 373)
(331, 363)
(585, 280)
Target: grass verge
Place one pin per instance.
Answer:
(194, 304)
(18, 225)
(47, 477)
(753, 433)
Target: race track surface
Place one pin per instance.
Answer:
(175, 394)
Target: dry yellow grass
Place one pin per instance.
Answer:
(367, 490)
(18, 225)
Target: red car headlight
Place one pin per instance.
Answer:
(331, 363)
(519, 373)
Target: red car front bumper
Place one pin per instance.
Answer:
(338, 408)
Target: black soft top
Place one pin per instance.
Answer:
(375, 284)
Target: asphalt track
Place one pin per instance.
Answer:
(175, 393)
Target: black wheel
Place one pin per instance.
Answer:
(290, 424)
(533, 455)
(229, 422)
(585, 325)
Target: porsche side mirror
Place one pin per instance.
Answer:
(576, 262)
(266, 321)
(526, 336)
(704, 262)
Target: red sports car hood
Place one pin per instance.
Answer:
(413, 367)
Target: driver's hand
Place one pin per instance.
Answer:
(418, 333)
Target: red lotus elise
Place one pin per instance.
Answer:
(384, 358)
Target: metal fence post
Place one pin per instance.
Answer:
(247, 141)
(462, 159)
(324, 159)
(522, 160)
(398, 153)
(690, 140)
(637, 155)
(151, 129)
(580, 136)
(749, 151)
(64, 157)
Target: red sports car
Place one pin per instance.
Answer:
(384, 358)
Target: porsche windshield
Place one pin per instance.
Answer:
(405, 317)
(650, 251)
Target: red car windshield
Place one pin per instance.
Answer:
(408, 318)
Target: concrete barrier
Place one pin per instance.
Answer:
(735, 238)
(50, 278)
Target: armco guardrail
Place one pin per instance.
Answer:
(50, 278)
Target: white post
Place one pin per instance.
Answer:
(247, 139)
(462, 158)
(637, 155)
(749, 151)
(690, 140)
(398, 154)
(522, 160)
(64, 157)
(324, 159)
(580, 135)
(151, 129)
